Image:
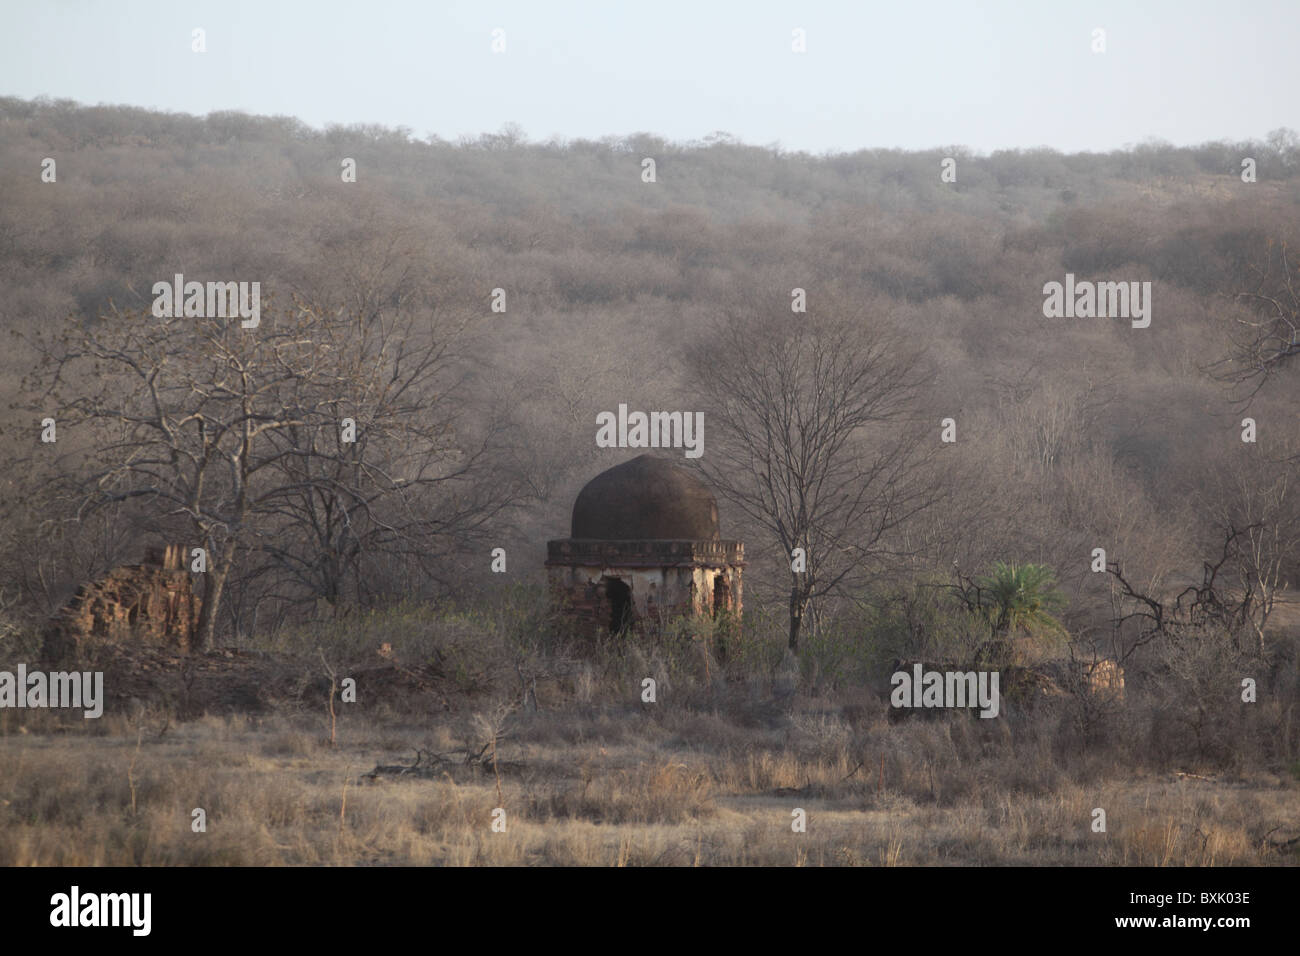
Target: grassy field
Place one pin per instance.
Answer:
(611, 789)
(589, 774)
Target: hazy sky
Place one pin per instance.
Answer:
(910, 73)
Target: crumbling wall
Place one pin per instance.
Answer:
(1105, 678)
(656, 593)
(150, 603)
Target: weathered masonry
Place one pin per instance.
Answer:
(152, 602)
(644, 547)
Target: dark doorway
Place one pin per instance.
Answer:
(721, 595)
(620, 604)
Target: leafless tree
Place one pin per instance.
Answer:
(234, 436)
(1259, 497)
(1266, 336)
(809, 434)
(1235, 596)
(415, 481)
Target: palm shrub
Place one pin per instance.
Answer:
(1016, 601)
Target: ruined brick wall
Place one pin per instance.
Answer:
(655, 594)
(152, 603)
(1105, 678)
(665, 578)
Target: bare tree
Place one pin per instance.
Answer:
(1259, 498)
(234, 435)
(1235, 596)
(410, 480)
(810, 437)
(1266, 336)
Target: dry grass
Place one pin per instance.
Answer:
(675, 791)
(708, 775)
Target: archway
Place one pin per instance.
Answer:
(619, 596)
(721, 594)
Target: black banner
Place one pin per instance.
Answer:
(353, 906)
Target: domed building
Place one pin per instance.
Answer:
(644, 546)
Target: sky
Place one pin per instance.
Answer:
(913, 74)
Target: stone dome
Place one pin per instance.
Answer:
(645, 498)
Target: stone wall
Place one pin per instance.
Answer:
(150, 603)
(1105, 678)
(654, 593)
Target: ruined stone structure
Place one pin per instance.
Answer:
(644, 546)
(1104, 678)
(152, 603)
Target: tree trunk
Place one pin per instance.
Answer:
(214, 585)
(798, 602)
